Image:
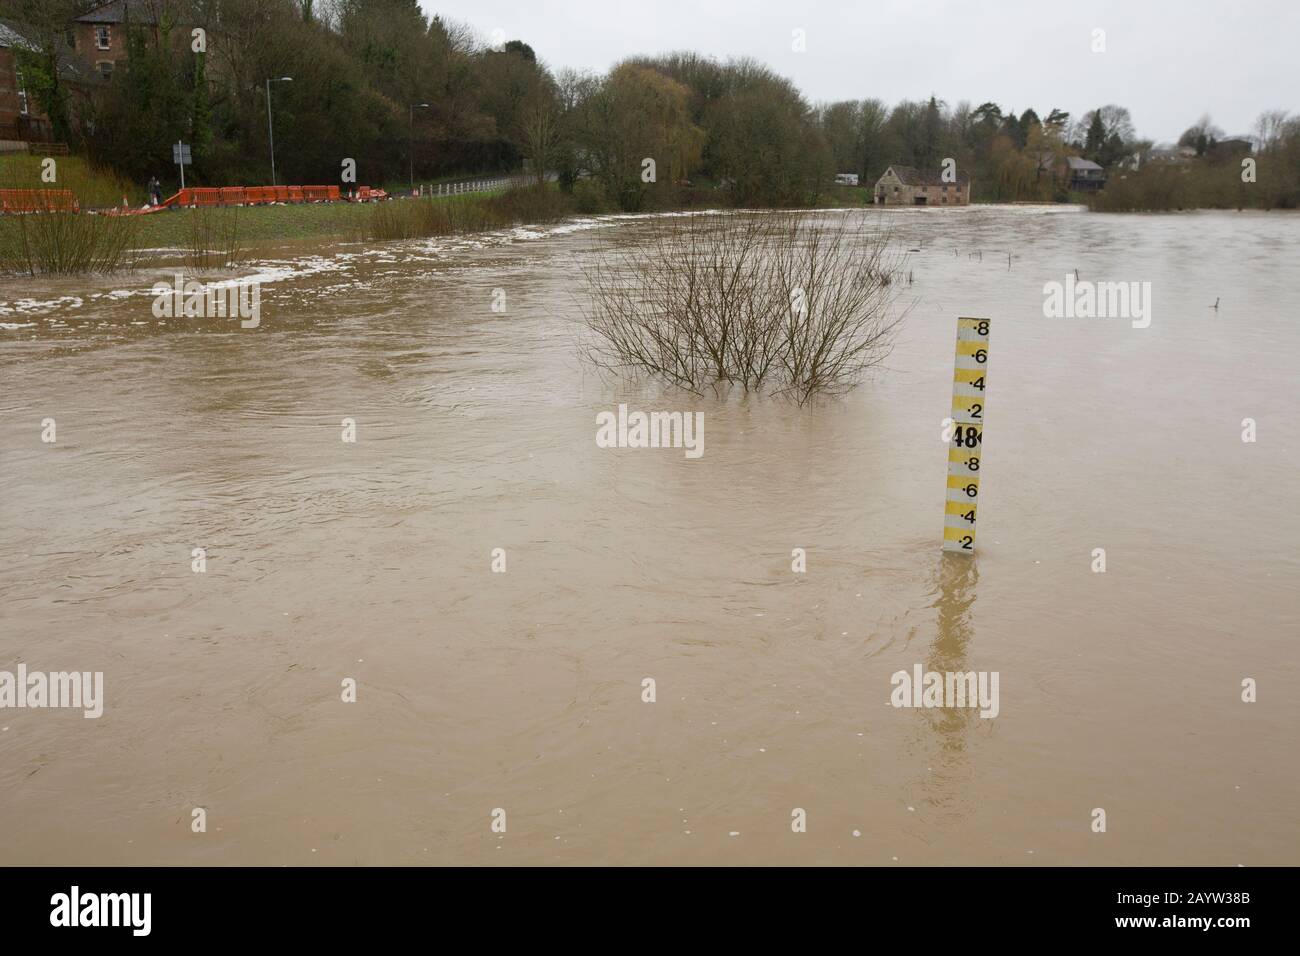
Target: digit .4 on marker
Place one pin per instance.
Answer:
(967, 444)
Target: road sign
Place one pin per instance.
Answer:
(181, 157)
(966, 447)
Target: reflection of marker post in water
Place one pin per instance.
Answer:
(966, 445)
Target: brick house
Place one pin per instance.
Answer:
(99, 34)
(906, 186)
(21, 121)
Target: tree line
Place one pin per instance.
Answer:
(403, 94)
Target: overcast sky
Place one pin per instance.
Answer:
(1168, 61)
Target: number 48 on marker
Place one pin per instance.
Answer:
(967, 444)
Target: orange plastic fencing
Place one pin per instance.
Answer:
(248, 195)
(320, 193)
(197, 196)
(63, 200)
(38, 200)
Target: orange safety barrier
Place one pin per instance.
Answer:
(242, 195)
(38, 200)
(320, 193)
(195, 197)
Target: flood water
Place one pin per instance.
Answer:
(522, 690)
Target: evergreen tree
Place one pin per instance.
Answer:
(1096, 138)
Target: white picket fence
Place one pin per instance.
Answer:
(472, 186)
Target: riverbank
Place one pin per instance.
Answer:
(208, 238)
(399, 217)
(274, 224)
(224, 236)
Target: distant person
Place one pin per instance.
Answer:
(155, 192)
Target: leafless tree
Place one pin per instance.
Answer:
(790, 303)
(1271, 128)
(540, 132)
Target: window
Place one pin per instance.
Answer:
(101, 38)
(105, 68)
(22, 92)
(70, 38)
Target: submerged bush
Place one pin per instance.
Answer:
(786, 302)
(589, 197)
(66, 243)
(533, 204)
(213, 237)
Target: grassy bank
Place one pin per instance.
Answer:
(376, 222)
(94, 188)
(479, 212)
(260, 224)
(70, 243)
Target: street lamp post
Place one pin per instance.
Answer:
(410, 146)
(270, 127)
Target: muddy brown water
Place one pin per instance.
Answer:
(522, 690)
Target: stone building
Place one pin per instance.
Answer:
(906, 186)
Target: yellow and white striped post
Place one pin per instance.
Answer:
(966, 446)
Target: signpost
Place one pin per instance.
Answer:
(181, 157)
(966, 447)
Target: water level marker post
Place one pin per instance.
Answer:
(966, 447)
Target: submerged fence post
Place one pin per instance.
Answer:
(966, 447)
